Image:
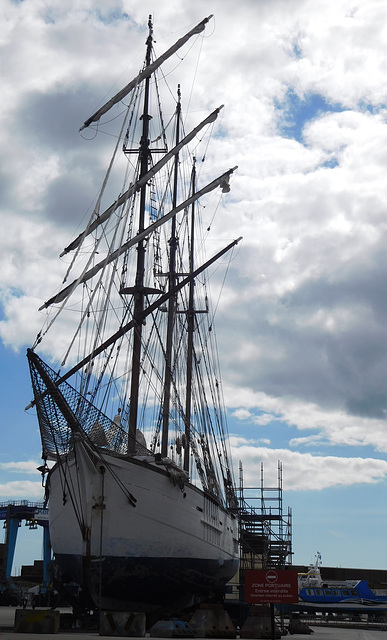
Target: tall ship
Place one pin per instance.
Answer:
(142, 507)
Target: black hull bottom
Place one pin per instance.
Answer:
(145, 584)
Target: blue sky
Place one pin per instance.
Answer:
(302, 324)
(297, 111)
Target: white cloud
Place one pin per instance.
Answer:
(303, 471)
(22, 490)
(332, 428)
(27, 466)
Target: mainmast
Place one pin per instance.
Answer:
(139, 282)
(172, 299)
(191, 327)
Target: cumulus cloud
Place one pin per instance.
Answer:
(302, 322)
(304, 471)
(22, 490)
(27, 466)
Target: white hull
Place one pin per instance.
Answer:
(175, 544)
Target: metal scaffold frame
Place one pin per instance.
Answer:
(265, 533)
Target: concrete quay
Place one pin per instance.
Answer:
(7, 619)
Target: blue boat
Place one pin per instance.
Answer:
(317, 594)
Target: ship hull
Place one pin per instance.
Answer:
(136, 535)
(144, 584)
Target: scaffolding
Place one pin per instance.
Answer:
(265, 533)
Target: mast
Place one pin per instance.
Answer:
(172, 299)
(191, 327)
(139, 282)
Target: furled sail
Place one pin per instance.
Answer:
(137, 186)
(148, 71)
(221, 181)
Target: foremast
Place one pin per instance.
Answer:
(139, 282)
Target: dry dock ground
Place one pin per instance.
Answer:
(7, 617)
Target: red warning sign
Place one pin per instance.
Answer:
(270, 585)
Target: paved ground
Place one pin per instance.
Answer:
(323, 633)
(7, 617)
(319, 634)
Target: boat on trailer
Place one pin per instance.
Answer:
(142, 505)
